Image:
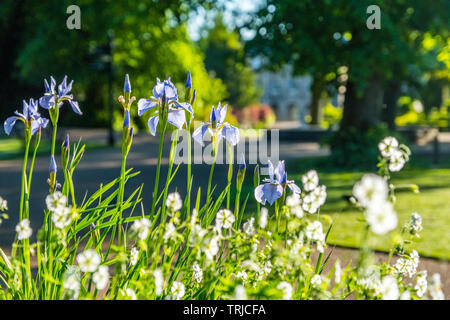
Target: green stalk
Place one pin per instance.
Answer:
(214, 150)
(36, 147)
(230, 173)
(158, 168)
(24, 187)
(169, 173)
(188, 186)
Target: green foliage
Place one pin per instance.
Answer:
(149, 39)
(355, 150)
(225, 59)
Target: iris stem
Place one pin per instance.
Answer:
(158, 168)
(214, 150)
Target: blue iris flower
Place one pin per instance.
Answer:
(61, 95)
(217, 123)
(29, 116)
(164, 93)
(275, 185)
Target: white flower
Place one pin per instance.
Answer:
(197, 234)
(71, 285)
(387, 146)
(316, 280)
(421, 284)
(159, 281)
(297, 211)
(55, 201)
(171, 232)
(310, 180)
(293, 200)
(3, 204)
(435, 287)
(177, 290)
(101, 277)
(370, 190)
(141, 227)
(287, 290)
(130, 293)
(319, 195)
(396, 161)
(381, 218)
(134, 255)
(242, 275)
(23, 229)
(309, 204)
(198, 272)
(389, 288)
(174, 202)
(88, 260)
(248, 227)
(62, 217)
(239, 293)
(263, 217)
(224, 219)
(416, 222)
(406, 295)
(211, 248)
(314, 231)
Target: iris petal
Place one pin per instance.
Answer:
(199, 133)
(47, 102)
(176, 117)
(152, 124)
(75, 107)
(9, 124)
(144, 105)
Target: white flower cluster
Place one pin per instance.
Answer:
(224, 219)
(3, 204)
(314, 233)
(174, 202)
(407, 265)
(390, 149)
(62, 215)
(316, 196)
(141, 227)
(416, 223)
(23, 229)
(371, 192)
(177, 290)
(197, 273)
(89, 261)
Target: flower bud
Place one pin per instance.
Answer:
(189, 80)
(126, 120)
(127, 85)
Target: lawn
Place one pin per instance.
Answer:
(13, 148)
(432, 203)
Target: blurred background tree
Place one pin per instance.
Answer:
(320, 36)
(225, 59)
(149, 40)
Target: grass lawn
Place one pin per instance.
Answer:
(432, 203)
(13, 148)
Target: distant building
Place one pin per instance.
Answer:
(288, 95)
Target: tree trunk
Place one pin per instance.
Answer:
(362, 111)
(390, 100)
(314, 107)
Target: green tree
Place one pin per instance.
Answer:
(149, 40)
(225, 59)
(319, 36)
